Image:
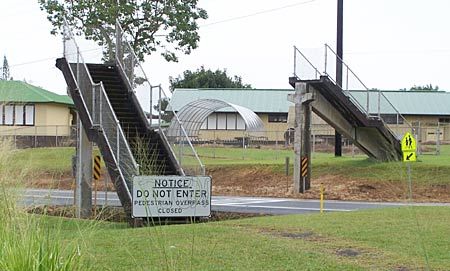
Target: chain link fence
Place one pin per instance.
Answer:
(430, 139)
(40, 136)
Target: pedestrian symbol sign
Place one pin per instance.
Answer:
(409, 148)
(408, 143)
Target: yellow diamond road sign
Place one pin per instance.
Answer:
(408, 143)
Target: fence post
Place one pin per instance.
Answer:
(214, 144)
(35, 136)
(15, 139)
(287, 165)
(56, 137)
(180, 147)
(313, 141)
(438, 140)
(243, 145)
(419, 140)
(276, 145)
(118, 143)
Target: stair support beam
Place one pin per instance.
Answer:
(83, 196)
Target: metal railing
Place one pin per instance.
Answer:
(150, 98)
(377, 104)
(99, 110)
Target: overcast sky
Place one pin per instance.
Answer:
(390, 44)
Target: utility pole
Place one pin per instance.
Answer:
(339, 57)
(5, 70)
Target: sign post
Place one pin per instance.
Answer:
(409, 155)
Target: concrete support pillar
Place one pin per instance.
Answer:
(83, 197)
(298, 121)
(302, 145)
(306, 147)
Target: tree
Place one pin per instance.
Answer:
(150, 25)
(5, 70)
(202, 78)
(165, 115)
(428, 87)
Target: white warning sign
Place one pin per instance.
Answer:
(171, 196)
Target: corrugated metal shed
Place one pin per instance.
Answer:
(257, 100)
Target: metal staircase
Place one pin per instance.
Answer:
(106, 98)
(364, 125)
(146, 144)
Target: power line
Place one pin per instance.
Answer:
(49, 58)
(256, 13)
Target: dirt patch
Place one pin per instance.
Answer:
(67, 182)
(348, 253)
(263, 181)
(303, 235)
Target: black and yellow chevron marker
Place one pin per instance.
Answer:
(304, 166)
(97, 168)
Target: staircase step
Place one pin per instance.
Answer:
(132, 125)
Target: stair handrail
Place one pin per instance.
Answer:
(347, 90)
(88, 93)
(120, 58)
(317, 73)
(298, 54)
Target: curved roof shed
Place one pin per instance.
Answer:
(194, 114)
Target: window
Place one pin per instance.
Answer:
(444, 120)
(231, 121)
(18, 114)
(1, 114)
(9, 114)
(240, 124)
(29, 115)
(212, 122)
(223, 121)
(278, 117)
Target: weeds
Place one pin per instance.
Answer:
(28, 242)
(147, 157)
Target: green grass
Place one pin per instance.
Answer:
(408, 238)
(414, 238)
(55, 161)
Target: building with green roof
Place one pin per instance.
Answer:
(34, 113)
(427, 109)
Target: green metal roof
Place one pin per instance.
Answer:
(275, 100)
(406, 102)
(257, 100)
(19, 91)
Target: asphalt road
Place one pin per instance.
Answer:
(273, 206)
